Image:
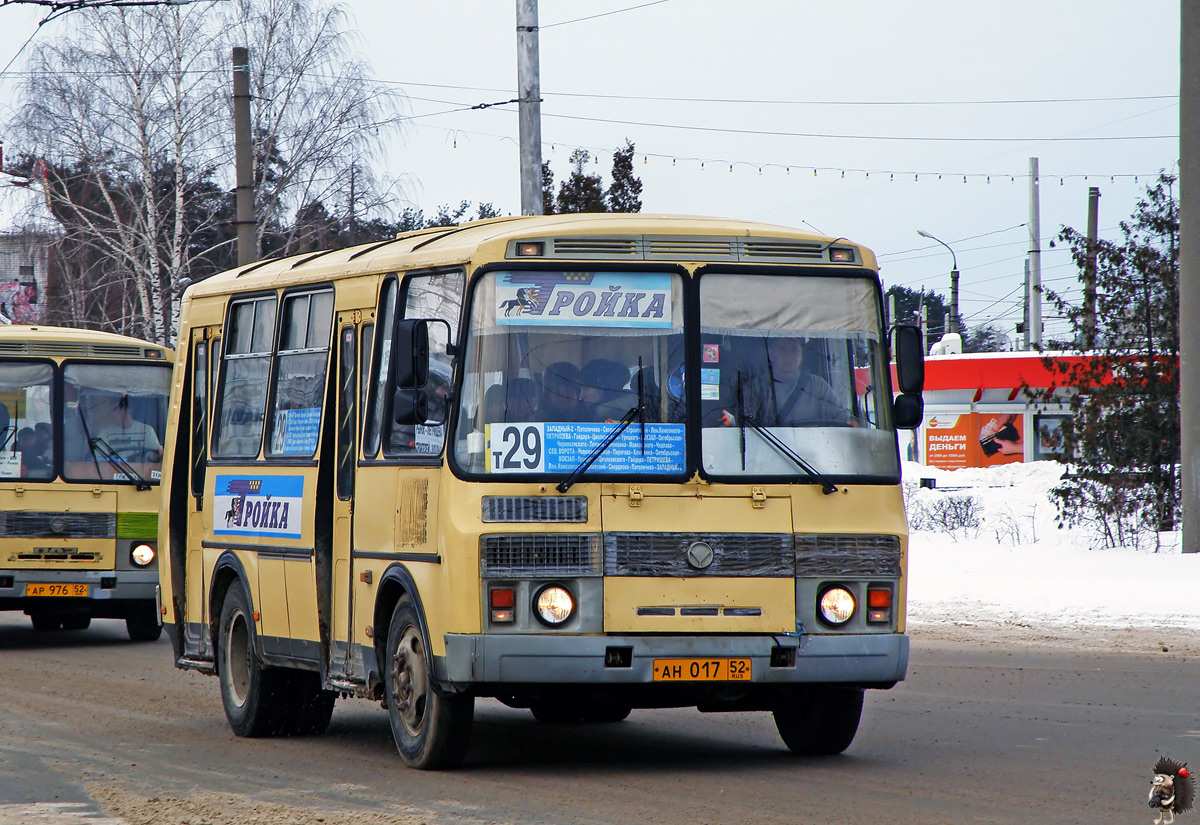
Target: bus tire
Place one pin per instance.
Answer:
(820, 721)
(431, 729)
(141, 623)
(255, 697)
(45, 620)
(311, 706)
(76, 621)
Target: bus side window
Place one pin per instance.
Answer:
(199, 419)
(381, 369)
(431, 296)
(242, 402)
(364, 371)
(306, 324)
(347, 413)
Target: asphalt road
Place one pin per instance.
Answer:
(97, 729)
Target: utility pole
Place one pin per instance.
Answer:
(1035, 257)
(1089, 269)
(1025, 325)
(1189, 269)
(247, 226)
(529, 101)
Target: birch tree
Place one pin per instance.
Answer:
(132, 113)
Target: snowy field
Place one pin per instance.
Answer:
(1018, 574)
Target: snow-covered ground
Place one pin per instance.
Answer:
(1018, 572)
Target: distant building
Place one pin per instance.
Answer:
(27, 229)
(978, 413)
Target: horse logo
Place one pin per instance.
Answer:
(527, 298)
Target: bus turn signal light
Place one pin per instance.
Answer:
(502, 602)
(879, 605)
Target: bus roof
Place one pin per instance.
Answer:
(605, 237)
(51, 341)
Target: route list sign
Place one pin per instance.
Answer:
(561, 447)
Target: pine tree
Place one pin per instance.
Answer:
(581, 192)
(625, 190)
(1122, 440)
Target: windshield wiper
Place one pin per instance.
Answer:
(117, 460)
(744, 418)
(599, 449)
(827, 486)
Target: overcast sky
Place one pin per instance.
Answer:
(892, 103)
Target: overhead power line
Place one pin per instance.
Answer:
(602, 14)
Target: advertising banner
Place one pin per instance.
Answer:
(973, 440)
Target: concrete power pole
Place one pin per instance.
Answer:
(1089, 270)
(1189, 269)
(1035, 257)
(247, 226)
(529, 97)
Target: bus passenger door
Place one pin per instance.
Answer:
(199, 520)
(345, 456)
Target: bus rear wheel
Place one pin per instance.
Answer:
(820, 721)
(255, 698)
(311, 706)
(431, 729)
(141, 623)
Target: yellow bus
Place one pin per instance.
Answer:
(82, 420)
(580, 464)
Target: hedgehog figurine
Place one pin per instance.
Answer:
(1172, 791)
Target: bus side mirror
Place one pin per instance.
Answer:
(907, 411)
(409, 406)
(417, 399)
(412, 353)
(910, 359)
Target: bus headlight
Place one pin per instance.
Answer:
(142, 554)
(553, 605)
(836, 605)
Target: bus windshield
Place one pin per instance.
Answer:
(554, 359)
(793, 367)
(114, 416)
(27, 440)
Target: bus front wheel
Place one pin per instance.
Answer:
(141, 623)
(431, 729)
(44, 620)
(255, 698)
(820, 721)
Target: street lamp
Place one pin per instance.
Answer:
(953, 325)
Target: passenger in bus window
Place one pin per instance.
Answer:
(603, 394)
(559, 400)
(133, 439)
(32, 445)
(512, 402)
(6, 428)
(784, 394)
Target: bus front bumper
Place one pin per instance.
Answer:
(102, 586)
(866, 659)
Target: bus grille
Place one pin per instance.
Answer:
(64, 349)
(831, 555)
(519, 509)
(58, 525)
(536, 555)
(665, 554)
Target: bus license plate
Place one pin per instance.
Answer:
(701, 670)
(45, 589)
